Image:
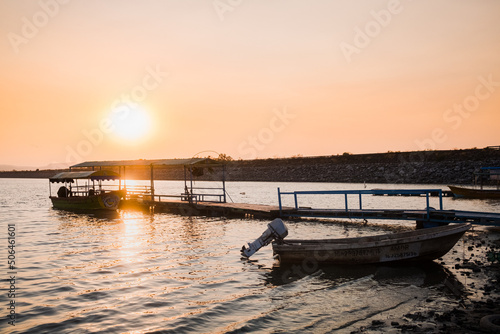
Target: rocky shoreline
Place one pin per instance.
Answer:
(473, 279)
(419, 167)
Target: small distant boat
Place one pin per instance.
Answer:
(87, 197)
(419, 245)
(482, 176)
(474, 193)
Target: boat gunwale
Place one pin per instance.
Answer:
(373, 241)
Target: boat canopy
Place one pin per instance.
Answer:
(490, 168)
(493, 173)
(92, 175)
(143, 162)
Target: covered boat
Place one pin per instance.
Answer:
(92, 195)
(419, 245)
(483, 177)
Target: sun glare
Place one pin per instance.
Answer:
(130, 123)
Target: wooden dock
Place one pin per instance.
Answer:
(260, 211)
(430, 216)
(192, 206)
(437, 217)
(209, 209)
(435, 193)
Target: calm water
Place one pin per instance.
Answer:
(162, 273)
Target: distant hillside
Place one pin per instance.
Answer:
(426, 167)
(52, 166)
(12, 167)
(31, 174)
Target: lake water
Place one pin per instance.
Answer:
(163, 273)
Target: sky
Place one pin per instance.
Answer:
(120, 79)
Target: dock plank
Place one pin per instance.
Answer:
(263, 211)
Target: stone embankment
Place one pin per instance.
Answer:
(424, 167)
(429, 167)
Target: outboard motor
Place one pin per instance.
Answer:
(275, 230)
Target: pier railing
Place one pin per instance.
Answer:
(137, 191)
(83, 190)
(209, 195)
(377, 192)
(197, 196)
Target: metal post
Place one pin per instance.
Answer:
(346, 207)
(440, 200)
(296, 202)
(427, 200)
(152, 184)
(185, 179)
(125, 180)
(191, 177)
(224, 181)
(360, 205)
(279, 200)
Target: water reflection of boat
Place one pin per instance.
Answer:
(88, 197)
(484, 176)
(419, 274)
(419, 245)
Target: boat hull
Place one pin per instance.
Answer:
(420, 245)
(107, 201)
(474, 193)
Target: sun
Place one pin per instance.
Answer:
(130, 122)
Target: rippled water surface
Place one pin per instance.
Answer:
(158, 273)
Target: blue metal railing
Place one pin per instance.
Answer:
(378, 192)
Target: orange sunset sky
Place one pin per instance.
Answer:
(121, 79)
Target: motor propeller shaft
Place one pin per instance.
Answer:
(275, 230)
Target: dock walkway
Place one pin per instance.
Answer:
(420, 216)
(213, 209)
(261, 211)
(428, 216)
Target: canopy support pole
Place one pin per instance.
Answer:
(224, 181)
(152, 184)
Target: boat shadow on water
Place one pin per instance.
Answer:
(424, 274)
(90, 214)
